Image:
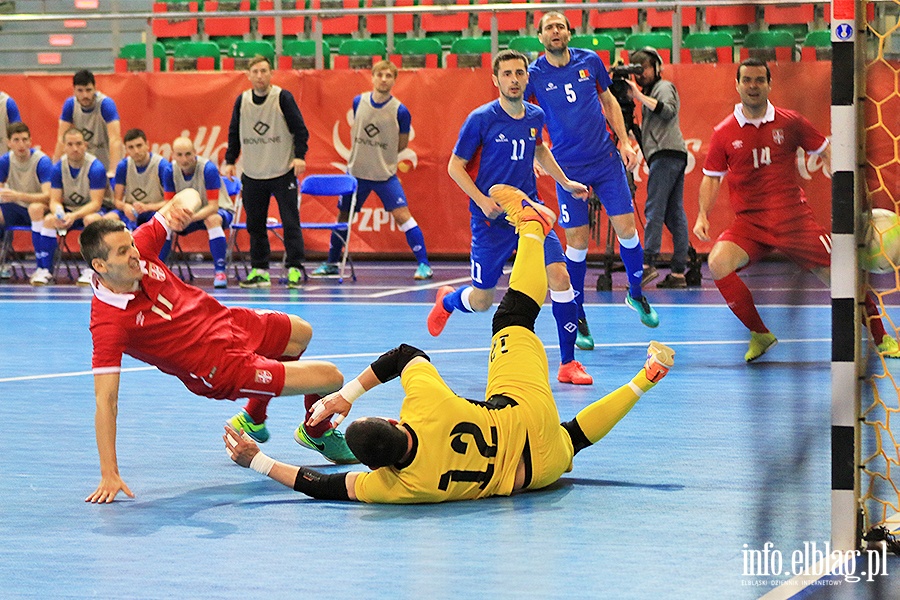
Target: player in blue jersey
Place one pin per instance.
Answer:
(96, 115)
(498, 144)
(9, 114)
(24, 185)
(78, 187)
(142, 181)
(567, 83)
(216, 208)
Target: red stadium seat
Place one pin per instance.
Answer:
(289, 25)
(506, 21)
(339, 25)
(215, 26)
(377, 24)
(164, 28)
(614, 19)
(434, 23)
(741, 15)
(789, 15)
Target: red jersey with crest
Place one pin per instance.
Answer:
(760, 158)
(178, 328)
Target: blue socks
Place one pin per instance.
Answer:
(453, 301)
(632, 254)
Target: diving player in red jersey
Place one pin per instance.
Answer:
(756, 146)
(142, 309)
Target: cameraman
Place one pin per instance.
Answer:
(666, 154)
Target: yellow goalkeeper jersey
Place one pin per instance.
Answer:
(462, 449)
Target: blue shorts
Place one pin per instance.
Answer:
(610, 183)
(493, 243)
(15, 215)
(227, 217)
(390, 193)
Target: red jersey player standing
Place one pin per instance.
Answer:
(756, 147)
(142, 309)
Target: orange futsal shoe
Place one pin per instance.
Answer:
(660, 359)
(438, 316)
(512, 199)
(573, 372)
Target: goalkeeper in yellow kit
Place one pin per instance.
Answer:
(445, 447)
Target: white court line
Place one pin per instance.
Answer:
(414, 288)
(443, 351)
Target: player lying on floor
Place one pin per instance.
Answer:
(445, 447)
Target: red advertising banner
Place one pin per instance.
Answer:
(199, 105)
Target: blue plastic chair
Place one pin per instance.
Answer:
(333, 185)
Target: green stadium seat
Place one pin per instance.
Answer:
(470, 52)
(529, 45)
(661, 42)
(417, 53)
(601, 43)
(195, 56)
(709, 47)
(816, 46)
(773, 45)
(240, 53)
(359, 54)
(301, 54)
(133, 58)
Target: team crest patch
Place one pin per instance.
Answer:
(737, 144)
(533, 132)
(156, 272)
(264, 377)
(583, 74)
(778, 136)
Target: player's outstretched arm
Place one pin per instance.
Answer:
(709, 189)
(106, 389)
(545, 158)
(386, 367)
(244, 451)
(456, 168)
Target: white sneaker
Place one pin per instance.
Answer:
(41, 277)
(85, 278)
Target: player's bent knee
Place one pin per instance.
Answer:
(516, 308)
(558, 277)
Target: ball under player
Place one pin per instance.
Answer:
(142, 309)
(572, 86)
(756, 147)
(445, 447)
(501, 140)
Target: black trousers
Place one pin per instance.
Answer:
(256, 194)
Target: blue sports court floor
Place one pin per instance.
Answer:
(719, 459)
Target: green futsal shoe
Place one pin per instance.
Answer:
(889, 348)
(331, 445)
(243, 422)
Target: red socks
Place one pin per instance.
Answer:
(740, 301)
(257, 409)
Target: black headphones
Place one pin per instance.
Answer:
(656, 58)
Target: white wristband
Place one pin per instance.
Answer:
(352, 390)
(262, 464)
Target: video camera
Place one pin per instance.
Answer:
(621, 91)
